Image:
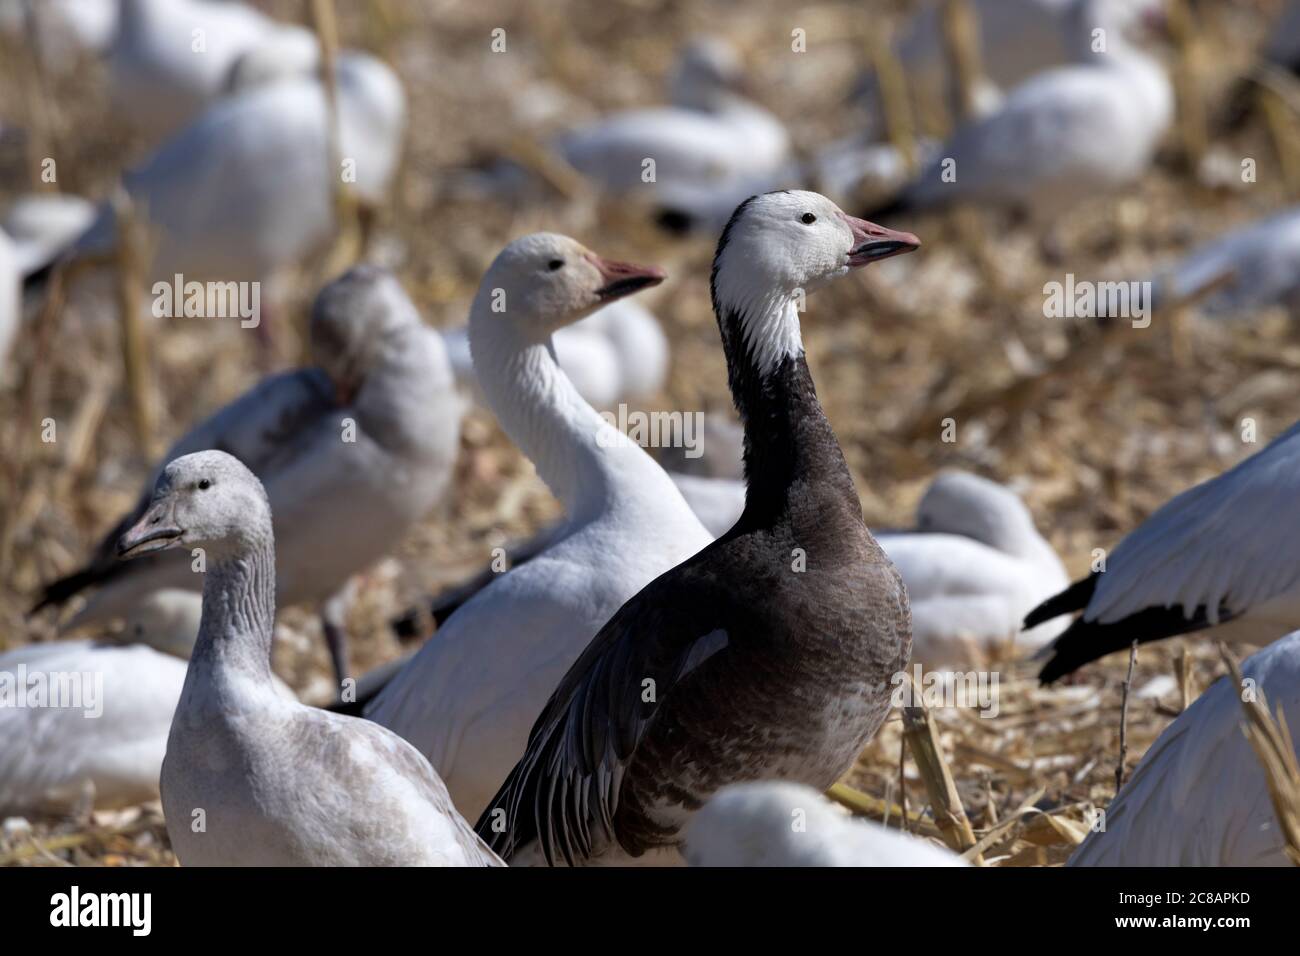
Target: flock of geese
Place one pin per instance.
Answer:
(680, 668)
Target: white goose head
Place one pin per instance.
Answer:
(206, 500)
(544, 281)
(352, 322)
(958, 502)
(778, 246)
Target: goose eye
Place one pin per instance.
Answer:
(204, 484)
(808, 219)
(555, 264)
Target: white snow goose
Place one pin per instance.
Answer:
(974, 566)
(172, 58)
(711, 137)
(11, 298)
(468, 698)
(1199, 797)
(786, 824)
(106, 748)
(619, 353)
(769, 653)
(1217, 558)
(312, 788)
(1063, 136)
(246, 189)
(352, 454)
(1252, 267)
(1017, 38)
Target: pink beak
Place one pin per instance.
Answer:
(871, 243)
(623, 278)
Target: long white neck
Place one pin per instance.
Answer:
(584, 460)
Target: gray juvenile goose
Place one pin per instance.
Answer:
(251, 778)
(733, 665)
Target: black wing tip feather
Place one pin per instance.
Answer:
(1086, 641)
(60, 591)
(1074, 598)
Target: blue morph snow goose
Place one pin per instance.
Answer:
(1216, 558)
(352, 454)
(767, 654)
(468, 697)
(276, 783)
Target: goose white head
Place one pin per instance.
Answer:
(544, 281)
(206, 500)
(353, 321)
(780, 244)
(958, 502)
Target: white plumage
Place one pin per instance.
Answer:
(469, 697)
(1199, 796)
(368, 439)
(52, 758)
(787, 824)
(618, 353)
(1064, 135)
(1219, 546)
(711, 137)
(172, 58)
(11, 299)
(246, 189)
(250, 778)
(973, 568)
(1259, 264)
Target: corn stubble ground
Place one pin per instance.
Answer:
(1095, 431)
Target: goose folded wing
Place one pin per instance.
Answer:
(259, 428)
(566, 788)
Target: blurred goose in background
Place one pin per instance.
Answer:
(739, 663)
(173, 58)
(1063, 136)
(64, 28)
(11, 300)
(788, 824)
(1220, 557)
(246, 189)
(41, 225)
(352, 453)
(618, 353)
(1017, 39)
(315, 788)
(711, 135)
(974, 566)
(1259, 264)
(468, 698)
(54, 758)
(1200, 797)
